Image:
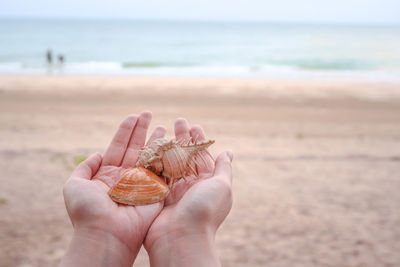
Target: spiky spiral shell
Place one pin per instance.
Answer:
(150, 156)
(171, 158)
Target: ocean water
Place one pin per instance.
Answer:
(201, 49)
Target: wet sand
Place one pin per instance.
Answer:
(316, 168)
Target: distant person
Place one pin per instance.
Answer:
(49, 56)
(61, 59)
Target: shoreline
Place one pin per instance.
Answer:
(275, 73)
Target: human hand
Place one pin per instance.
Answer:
(183, 233)
(107, 233)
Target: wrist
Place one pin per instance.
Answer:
(94, 247)
(187, 246)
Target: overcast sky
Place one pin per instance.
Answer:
(335, 11)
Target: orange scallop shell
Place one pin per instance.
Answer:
(139, 186)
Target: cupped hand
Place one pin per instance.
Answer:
(195, 207)
(86, 191)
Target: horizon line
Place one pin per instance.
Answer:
(199, 20)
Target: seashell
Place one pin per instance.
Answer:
(172, 159)
(139, 186)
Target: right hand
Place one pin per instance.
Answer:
(193, 211)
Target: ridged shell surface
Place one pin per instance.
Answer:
(172, 159)
(139, 186)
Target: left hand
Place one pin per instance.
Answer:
(93, 214)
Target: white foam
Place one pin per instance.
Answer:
(224, 71)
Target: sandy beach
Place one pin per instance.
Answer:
(316, 168)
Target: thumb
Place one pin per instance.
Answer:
(223, 167)
(87, 168)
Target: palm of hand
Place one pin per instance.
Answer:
(192, 205)
(120, 220)
(186, 199)
(86, 192)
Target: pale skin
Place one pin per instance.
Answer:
(177, 232)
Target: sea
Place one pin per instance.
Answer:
(250, 50)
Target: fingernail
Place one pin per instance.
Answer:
(146, 115)
(97, 155)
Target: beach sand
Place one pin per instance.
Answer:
(316, 167)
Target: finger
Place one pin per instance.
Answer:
(223, 167)
(116, 150)
(197, 133)
(181, 129)
(88, 168)
(137, 140)
(205, 164)
(159, 132)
